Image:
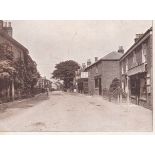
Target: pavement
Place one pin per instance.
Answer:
(72, 112)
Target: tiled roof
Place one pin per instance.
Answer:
(146, 34)
(113, 56)
(12, 40)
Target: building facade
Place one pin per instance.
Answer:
(103, 72)
(17, 69)
(136, 70)
(43, 84)
(81, 80)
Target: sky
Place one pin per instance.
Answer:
(52, 41)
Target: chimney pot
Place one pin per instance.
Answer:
(121, 50)
(96, 59)
(1, 24)
(88, 62)
(5, 24)
(9, 24)
(138, 36)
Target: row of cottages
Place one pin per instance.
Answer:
(136, 70)
(103, 72)
(11, 52)
(133, 69)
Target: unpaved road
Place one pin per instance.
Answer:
(74, 112)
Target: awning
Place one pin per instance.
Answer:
(136, 70)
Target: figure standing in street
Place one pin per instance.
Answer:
(47, 91)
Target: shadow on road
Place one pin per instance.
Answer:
(25, 103)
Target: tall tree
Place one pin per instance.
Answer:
(66, 71)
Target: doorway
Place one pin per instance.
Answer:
(100, 86)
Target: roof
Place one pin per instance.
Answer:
(113, 56)
(144, 36)
(12, 40)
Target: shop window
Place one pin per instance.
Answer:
(148, 83)
(96, 83)
(143, 90)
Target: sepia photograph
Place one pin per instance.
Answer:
(76, 76)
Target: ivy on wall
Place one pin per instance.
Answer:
(22, 71)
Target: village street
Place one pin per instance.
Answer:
(73, 112)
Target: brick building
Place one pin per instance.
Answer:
(10, 48)
(103, 71)
(136, 70)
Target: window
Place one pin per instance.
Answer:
(134, 57)
(96, 83)
(126, 67)
(143, 88)
(96, 70)
(144, 50)
(122, 68)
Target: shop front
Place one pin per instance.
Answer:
(138, 86)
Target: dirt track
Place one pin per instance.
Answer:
(74, 112)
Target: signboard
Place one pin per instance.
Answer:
(136, 70)
(84, 74)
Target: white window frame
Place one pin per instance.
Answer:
(126, 65)
(144, 52)
(134, 57)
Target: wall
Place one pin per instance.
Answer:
(17, 52)
(149, 59)
(108, 70)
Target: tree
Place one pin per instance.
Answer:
(115, 84)
(66, 71)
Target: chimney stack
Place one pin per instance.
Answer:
(7, 28)
(1, 24)
(121, 50)
(9, 24)
(83, 65)
(96, 59)
(5, 24)
(138, 36)
(88, 62)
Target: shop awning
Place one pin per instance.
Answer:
(136, 70)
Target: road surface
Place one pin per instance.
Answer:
(73, 112)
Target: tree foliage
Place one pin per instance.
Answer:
(66, 71)
(22, 71)
(115, 84)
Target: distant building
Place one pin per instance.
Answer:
(103, 71)
(136, 70)
(44, 83)
(81, 80)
